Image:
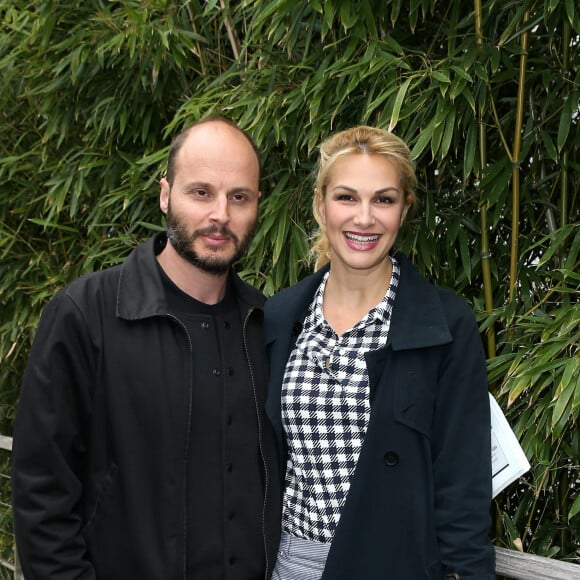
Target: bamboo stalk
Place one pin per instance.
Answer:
(200, 52)
(485, 253)
(234, 42)
(564, 175)
(514, 257)
(564, 192)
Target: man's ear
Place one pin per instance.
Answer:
(164, 195)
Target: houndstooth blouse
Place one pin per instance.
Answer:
(325, 413)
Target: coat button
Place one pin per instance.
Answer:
(391, 458)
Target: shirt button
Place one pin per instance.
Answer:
(391, 459)
(229, 420)
(231, 372)
(216, 372)
(227, 324)
(230, 467)
(231, 516)
(232, 560)
(205, 325)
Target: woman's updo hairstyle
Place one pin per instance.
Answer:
(358, 140)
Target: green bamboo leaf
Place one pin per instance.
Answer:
(424, 139)
(378, 101)
(572, 256)
(575, 508)
(395, 10)
(436, 136)
(461, 72)
(539, 366)
(281, 237)
(316, 5)
(328, 15)
(449, 132)
(442, 77)
(53, 225)
(565, 121)
(390, 42)
(570, 11)
(516, 388)
(469, 150)
(557, 239)
(562, 408)
(464, 251)
(348, 15)
(572, 369)
(548, 142)
(401, 94)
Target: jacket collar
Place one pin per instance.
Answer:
(418, 319)
(141, 293)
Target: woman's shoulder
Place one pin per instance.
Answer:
(294, 296)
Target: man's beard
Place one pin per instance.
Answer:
(184, 245)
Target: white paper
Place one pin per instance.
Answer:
(508, 460)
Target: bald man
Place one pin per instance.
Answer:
(141, 450)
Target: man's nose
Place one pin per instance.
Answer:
(220, 210)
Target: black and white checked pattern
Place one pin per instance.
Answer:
(325, 413)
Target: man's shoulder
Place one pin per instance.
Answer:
(247, 293)
(107, 279)
(88, 287)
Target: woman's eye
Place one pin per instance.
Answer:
(344, 197)
(384, 199)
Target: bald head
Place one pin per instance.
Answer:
(209, 127)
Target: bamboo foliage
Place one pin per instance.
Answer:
(486, 94)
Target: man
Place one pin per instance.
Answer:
(141, 450)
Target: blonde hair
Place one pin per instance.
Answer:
(358, 140)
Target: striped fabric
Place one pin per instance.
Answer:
(300, 559)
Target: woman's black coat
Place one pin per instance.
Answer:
(418, 505)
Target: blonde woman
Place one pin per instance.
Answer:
(378, 391)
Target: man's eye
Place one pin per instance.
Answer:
(239, 197)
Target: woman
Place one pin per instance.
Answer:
(378, 391)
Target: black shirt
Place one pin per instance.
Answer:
(224, 487)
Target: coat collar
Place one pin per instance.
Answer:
(141, 292)
(418, 318)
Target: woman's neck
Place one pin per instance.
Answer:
(350, 295)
